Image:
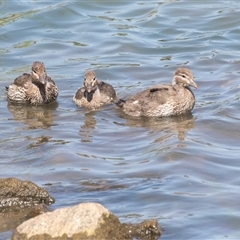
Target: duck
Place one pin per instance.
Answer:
(95, 93)
(163, 100)
(36, 88)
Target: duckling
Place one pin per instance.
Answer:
(35, 89)
(94, 93)
(163, 99)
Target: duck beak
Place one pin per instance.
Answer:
(42, 78)
(89, 89)
(193, 84)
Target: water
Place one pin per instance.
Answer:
(183, 171)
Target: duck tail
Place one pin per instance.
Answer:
(120, 102)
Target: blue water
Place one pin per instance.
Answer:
(182, 171)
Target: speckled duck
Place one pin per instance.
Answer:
(36, 88)
(94, 93)
(163, 99)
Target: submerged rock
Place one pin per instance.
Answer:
(16, 194)
(83, 221)
(10, 220)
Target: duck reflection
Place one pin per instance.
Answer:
(33, 116)
(176, 124)
(86, 130)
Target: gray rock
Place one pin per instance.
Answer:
(83, 221)
(16, 194)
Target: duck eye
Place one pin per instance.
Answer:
(183, 76)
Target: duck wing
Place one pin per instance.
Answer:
(22, 80)
(144, 103)
(159, 94)
(79, 94)
(50, 80)
(107, 89)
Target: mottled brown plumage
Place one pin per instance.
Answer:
(94, 93)
(163, 99)
(36, 88)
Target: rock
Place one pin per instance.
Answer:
(16, 194)
(83, 221)
(10, 220)
(146, 230)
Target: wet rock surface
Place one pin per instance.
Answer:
(16, 194)
(83, 221)
(146, 230)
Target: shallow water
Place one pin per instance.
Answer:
(183, 171)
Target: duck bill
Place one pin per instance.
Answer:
(42, 79)
(193, 84)
(89, 89)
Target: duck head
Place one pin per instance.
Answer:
(184, 77)
(39, 72)
(90, 84)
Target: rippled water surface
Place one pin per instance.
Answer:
(184, 171)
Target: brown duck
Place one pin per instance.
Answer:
(36, 88)
(94, 93)
(163, 99)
